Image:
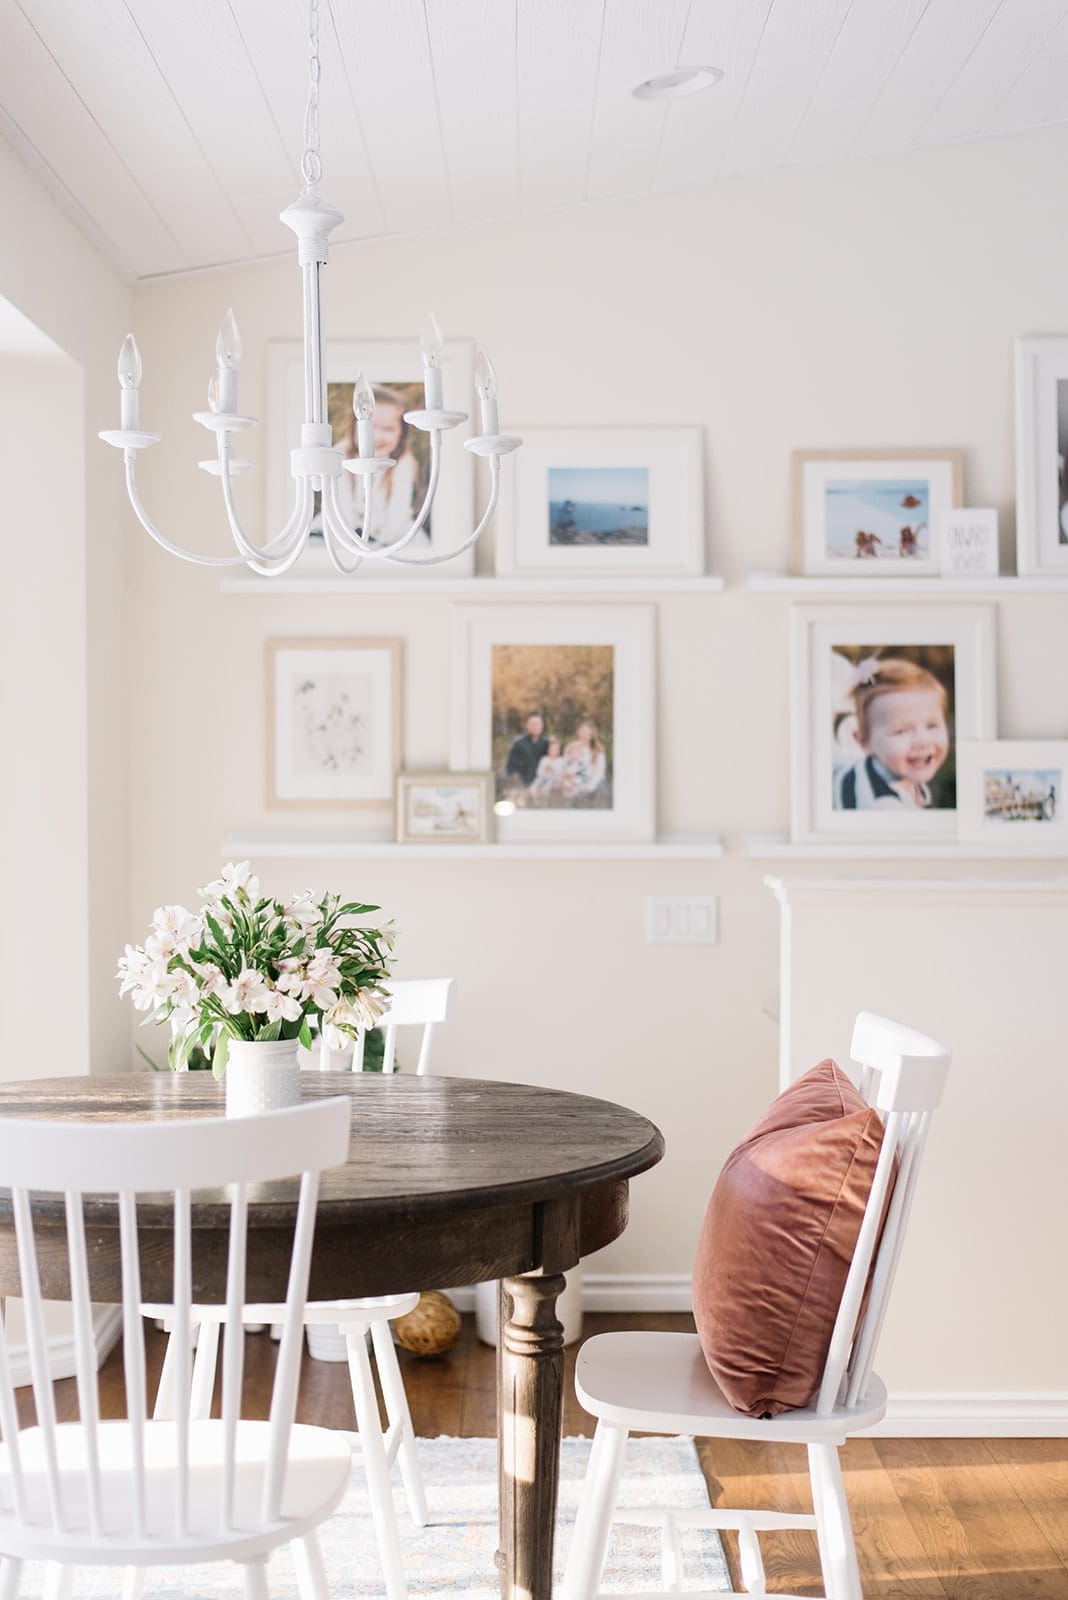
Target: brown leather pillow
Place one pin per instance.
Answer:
(778, 1239)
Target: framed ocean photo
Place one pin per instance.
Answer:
(873, 513)
(620, 502)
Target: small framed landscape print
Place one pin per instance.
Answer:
(605, 501)
(881, 698)
(333, 721)
(872, 513)
(444, 807)
(1012, 793)
(558, 702)
(1042, 455)
(395, 370)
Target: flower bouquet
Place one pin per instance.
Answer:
(245, 970)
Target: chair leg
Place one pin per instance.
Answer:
(166, 1392)
(255, 1575)
(58, 1582)
(10, 1578)
(834, 1531)
(311, 1573)
(593, 1525)
(373, 1449)
(202, 1392)
(389, 1375)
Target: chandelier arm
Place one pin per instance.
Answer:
(336, 536)
(280, 553)
(491, 506)
(164, 543)
(373, 552)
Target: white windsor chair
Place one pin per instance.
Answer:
(147, 1493)
(660, 1382)
(415, 1003)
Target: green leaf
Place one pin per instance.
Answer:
(270, 1032)
(221, 1056)
(305, 1034)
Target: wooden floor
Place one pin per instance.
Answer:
(955, 1519)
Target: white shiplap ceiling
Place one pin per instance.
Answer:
(172, 129)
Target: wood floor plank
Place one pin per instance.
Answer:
(1038, 1472)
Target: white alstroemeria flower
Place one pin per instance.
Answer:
(388, 936)
(236, 875)
(341, 1015)
(282, 1007)
(183, 1020)
(173, 929)
(303, 910)
(370, 1006)
(321, 980)
(248, 992)
(133, 967)
(290, 976)
(209, 977)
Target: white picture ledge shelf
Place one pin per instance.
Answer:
(488, 587)
(326, 847)
(1006, 585)
(774, 848)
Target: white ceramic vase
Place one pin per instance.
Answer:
(261, 1075)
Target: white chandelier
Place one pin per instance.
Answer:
(318, 463)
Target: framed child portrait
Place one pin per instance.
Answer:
(333, 721)
(1042, 456)
(395, 370)
(880, 699)
(1011, 792)
(872, 513)
(558, 702)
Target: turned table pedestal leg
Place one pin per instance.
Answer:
(530, 1401)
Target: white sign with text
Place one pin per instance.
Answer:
(969, 543)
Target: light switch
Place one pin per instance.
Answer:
(681, 919)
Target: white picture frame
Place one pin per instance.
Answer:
(968, 543)
(333, 722)
(627, 745)
(652, 475)
(843, 497)
(444, 808)
(830, 645)
(1012, 793)
(1041, 448)
(391, 362)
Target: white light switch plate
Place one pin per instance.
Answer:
(681, 919)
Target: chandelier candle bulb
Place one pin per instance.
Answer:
(486, 385)
(129, 371)
(432, 346)
(363, 409)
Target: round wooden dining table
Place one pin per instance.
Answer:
(448, 1181)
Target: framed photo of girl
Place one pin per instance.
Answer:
(880, 698)
(395, 370)
(1042, 456)
(558, 703)
(872, 513)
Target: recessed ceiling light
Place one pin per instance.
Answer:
(673, 85)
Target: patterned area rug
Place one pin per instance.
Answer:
(454, 1555)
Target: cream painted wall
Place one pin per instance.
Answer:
(871, 304)
(64, 287)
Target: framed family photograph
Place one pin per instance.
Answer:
(333, 721)
(605, 501)
(872, 513)
(444, 807)
(558, 703)
(1042, 456)
(881, 698)
(1012, 793)
(395, 370)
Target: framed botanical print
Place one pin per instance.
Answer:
(1012, 793)
(1042, 455)
(444, 807)
(333, 721)
(395, 370)
(558, 702)
(624, 502)
(872, 513)
(880, 699)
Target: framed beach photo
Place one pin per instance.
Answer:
(872, 513)
(444, 807)
(333, 721)
(558, 703)
(880, 699)
(621, 502)
(1042, 456)
(1011, 792)
(394, 368)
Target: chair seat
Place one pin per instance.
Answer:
(660, 1383)
(372, 1308)
(318, 1465)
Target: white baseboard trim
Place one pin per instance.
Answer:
(974, 1414)
(107, 1326)
(619, 1291)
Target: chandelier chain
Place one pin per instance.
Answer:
(310, 165)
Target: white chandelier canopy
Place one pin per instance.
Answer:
(317, 464)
